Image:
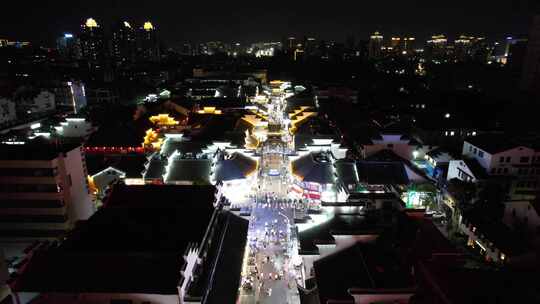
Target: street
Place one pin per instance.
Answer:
(269, 274)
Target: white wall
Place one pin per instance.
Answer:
(78, 198)
(453, 171)
(192, 261)
(490, 162)
(515, 155)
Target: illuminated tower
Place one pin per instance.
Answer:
(148, 43)
(375, 45)
(436, 48)
(92, 42)
(395, 44)
(463, 47)
(408, 45)
(124, 43)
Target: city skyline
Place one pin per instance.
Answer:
(198, 22)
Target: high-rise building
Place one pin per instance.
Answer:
(463, 47)
(43, 189)
(148, 45)
(531, 73)
(408, 44)
(436, 48)
(92, 41)
(395, 44)
(375, 45)
(71, 94)
(310, 45)
(124, 43)
(516, 52)
(68, 46)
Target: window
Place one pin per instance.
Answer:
(499, 170)
(390, 146)
(493, 171)
(508, 159)
(501, 159)
(480, 153)
(470, 148)
(505, 170)
(452, 133)
(524, 159)
(474, 150)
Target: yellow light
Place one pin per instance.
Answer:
(148, 26)
(90, 22)
(163, 120)
(151, 139)
(209, 110)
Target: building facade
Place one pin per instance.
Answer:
(43, 190)
(7, 111)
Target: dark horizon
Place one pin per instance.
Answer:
(248, 22)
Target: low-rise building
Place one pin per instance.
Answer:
(491, 238)
(400, 144)
(513, 160)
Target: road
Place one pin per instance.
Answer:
(269, 275)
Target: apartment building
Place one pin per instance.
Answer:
(43, 189)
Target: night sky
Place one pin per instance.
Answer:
(198, 20)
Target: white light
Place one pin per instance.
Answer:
(415, 154)
(68, 35)
(35, 126)
(447, 115)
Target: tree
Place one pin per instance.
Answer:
(463, 194)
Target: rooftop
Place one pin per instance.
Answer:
(382, 173)
(496, 143)
(134, 244)
(364, 265)
(314, 167)
(38, 148)
(504, 238)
